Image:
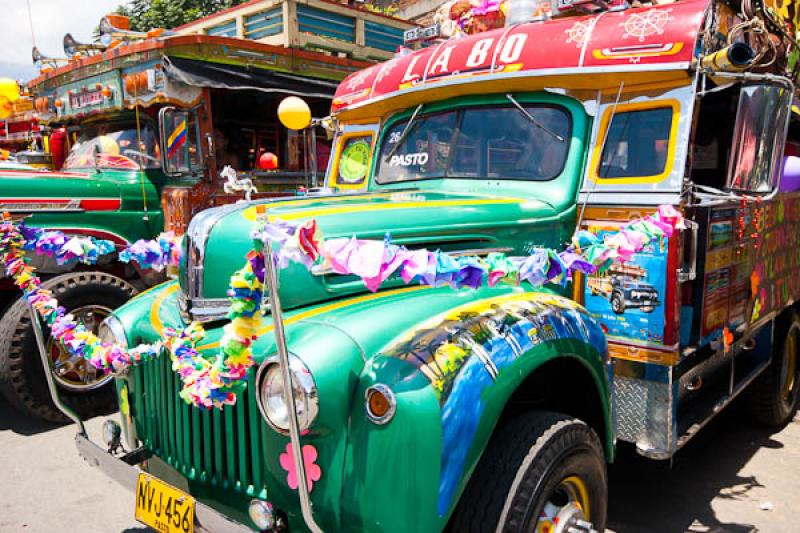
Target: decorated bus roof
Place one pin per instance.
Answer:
(204, 47)
(642, 39)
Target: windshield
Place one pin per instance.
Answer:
(115, 147)
(498, 142)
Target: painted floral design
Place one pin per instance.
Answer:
(313, 471)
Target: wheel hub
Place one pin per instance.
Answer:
(566, 509)
(73, 372)
(570, 519)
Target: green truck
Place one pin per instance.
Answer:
(494, 409)
(149, 124)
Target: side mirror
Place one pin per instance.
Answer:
(173, 128)
(762, 119)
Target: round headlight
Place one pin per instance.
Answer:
(271, 389)
(111, 330)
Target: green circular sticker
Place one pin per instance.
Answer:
(353, 162)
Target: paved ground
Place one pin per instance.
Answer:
(717, 484)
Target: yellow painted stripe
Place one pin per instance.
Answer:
(314, 212)
(158, 325)
(333, 210)
(250, 212)
(325, 308)
(155, 319)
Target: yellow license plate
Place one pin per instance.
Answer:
(163, 507)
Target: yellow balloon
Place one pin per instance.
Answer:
(9, 89)
(294, 113)
(108, 145)
(6, 107)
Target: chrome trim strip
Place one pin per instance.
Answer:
(271, 281)
(203, 309)
(34, 209)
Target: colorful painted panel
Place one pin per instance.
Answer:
(149, 85)
(315, 21)
(264, 23)
(382, 36)
(628, 298)
(774, 280)
(717, 280)
(463, 353)
(227, 29)
(98, 93)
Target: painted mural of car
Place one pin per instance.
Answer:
(625, 288)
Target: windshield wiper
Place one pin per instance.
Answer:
(404, 133)
(531, 118)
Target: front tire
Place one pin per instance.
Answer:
(91, 295)
(773, 397)
(539, 466)
(617, 303)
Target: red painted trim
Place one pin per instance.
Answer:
(88, 204)
(216, 14)
(183, 40)
(101, 204)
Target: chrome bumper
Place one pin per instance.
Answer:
(206, 519)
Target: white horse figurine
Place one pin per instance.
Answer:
(234, 184)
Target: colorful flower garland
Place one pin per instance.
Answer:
(215, 380)
(74, 336)
(162, 252)
(156, 254)
(376, 261)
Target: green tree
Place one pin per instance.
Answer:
(148, 14)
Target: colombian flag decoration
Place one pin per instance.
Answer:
(177, 139)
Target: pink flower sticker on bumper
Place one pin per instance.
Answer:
(313, 471)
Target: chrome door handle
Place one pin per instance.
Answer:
(690, 273)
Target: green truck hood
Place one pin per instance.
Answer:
(107, 204)
(42, 184)
(450, 221)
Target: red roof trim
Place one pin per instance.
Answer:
(180, 40)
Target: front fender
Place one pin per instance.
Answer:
(452, 376)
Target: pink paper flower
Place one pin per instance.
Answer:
(313, 471)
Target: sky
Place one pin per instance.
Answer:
(51, 20)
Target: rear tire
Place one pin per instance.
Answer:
(525, 467)
(22, 379)
(772, 399)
